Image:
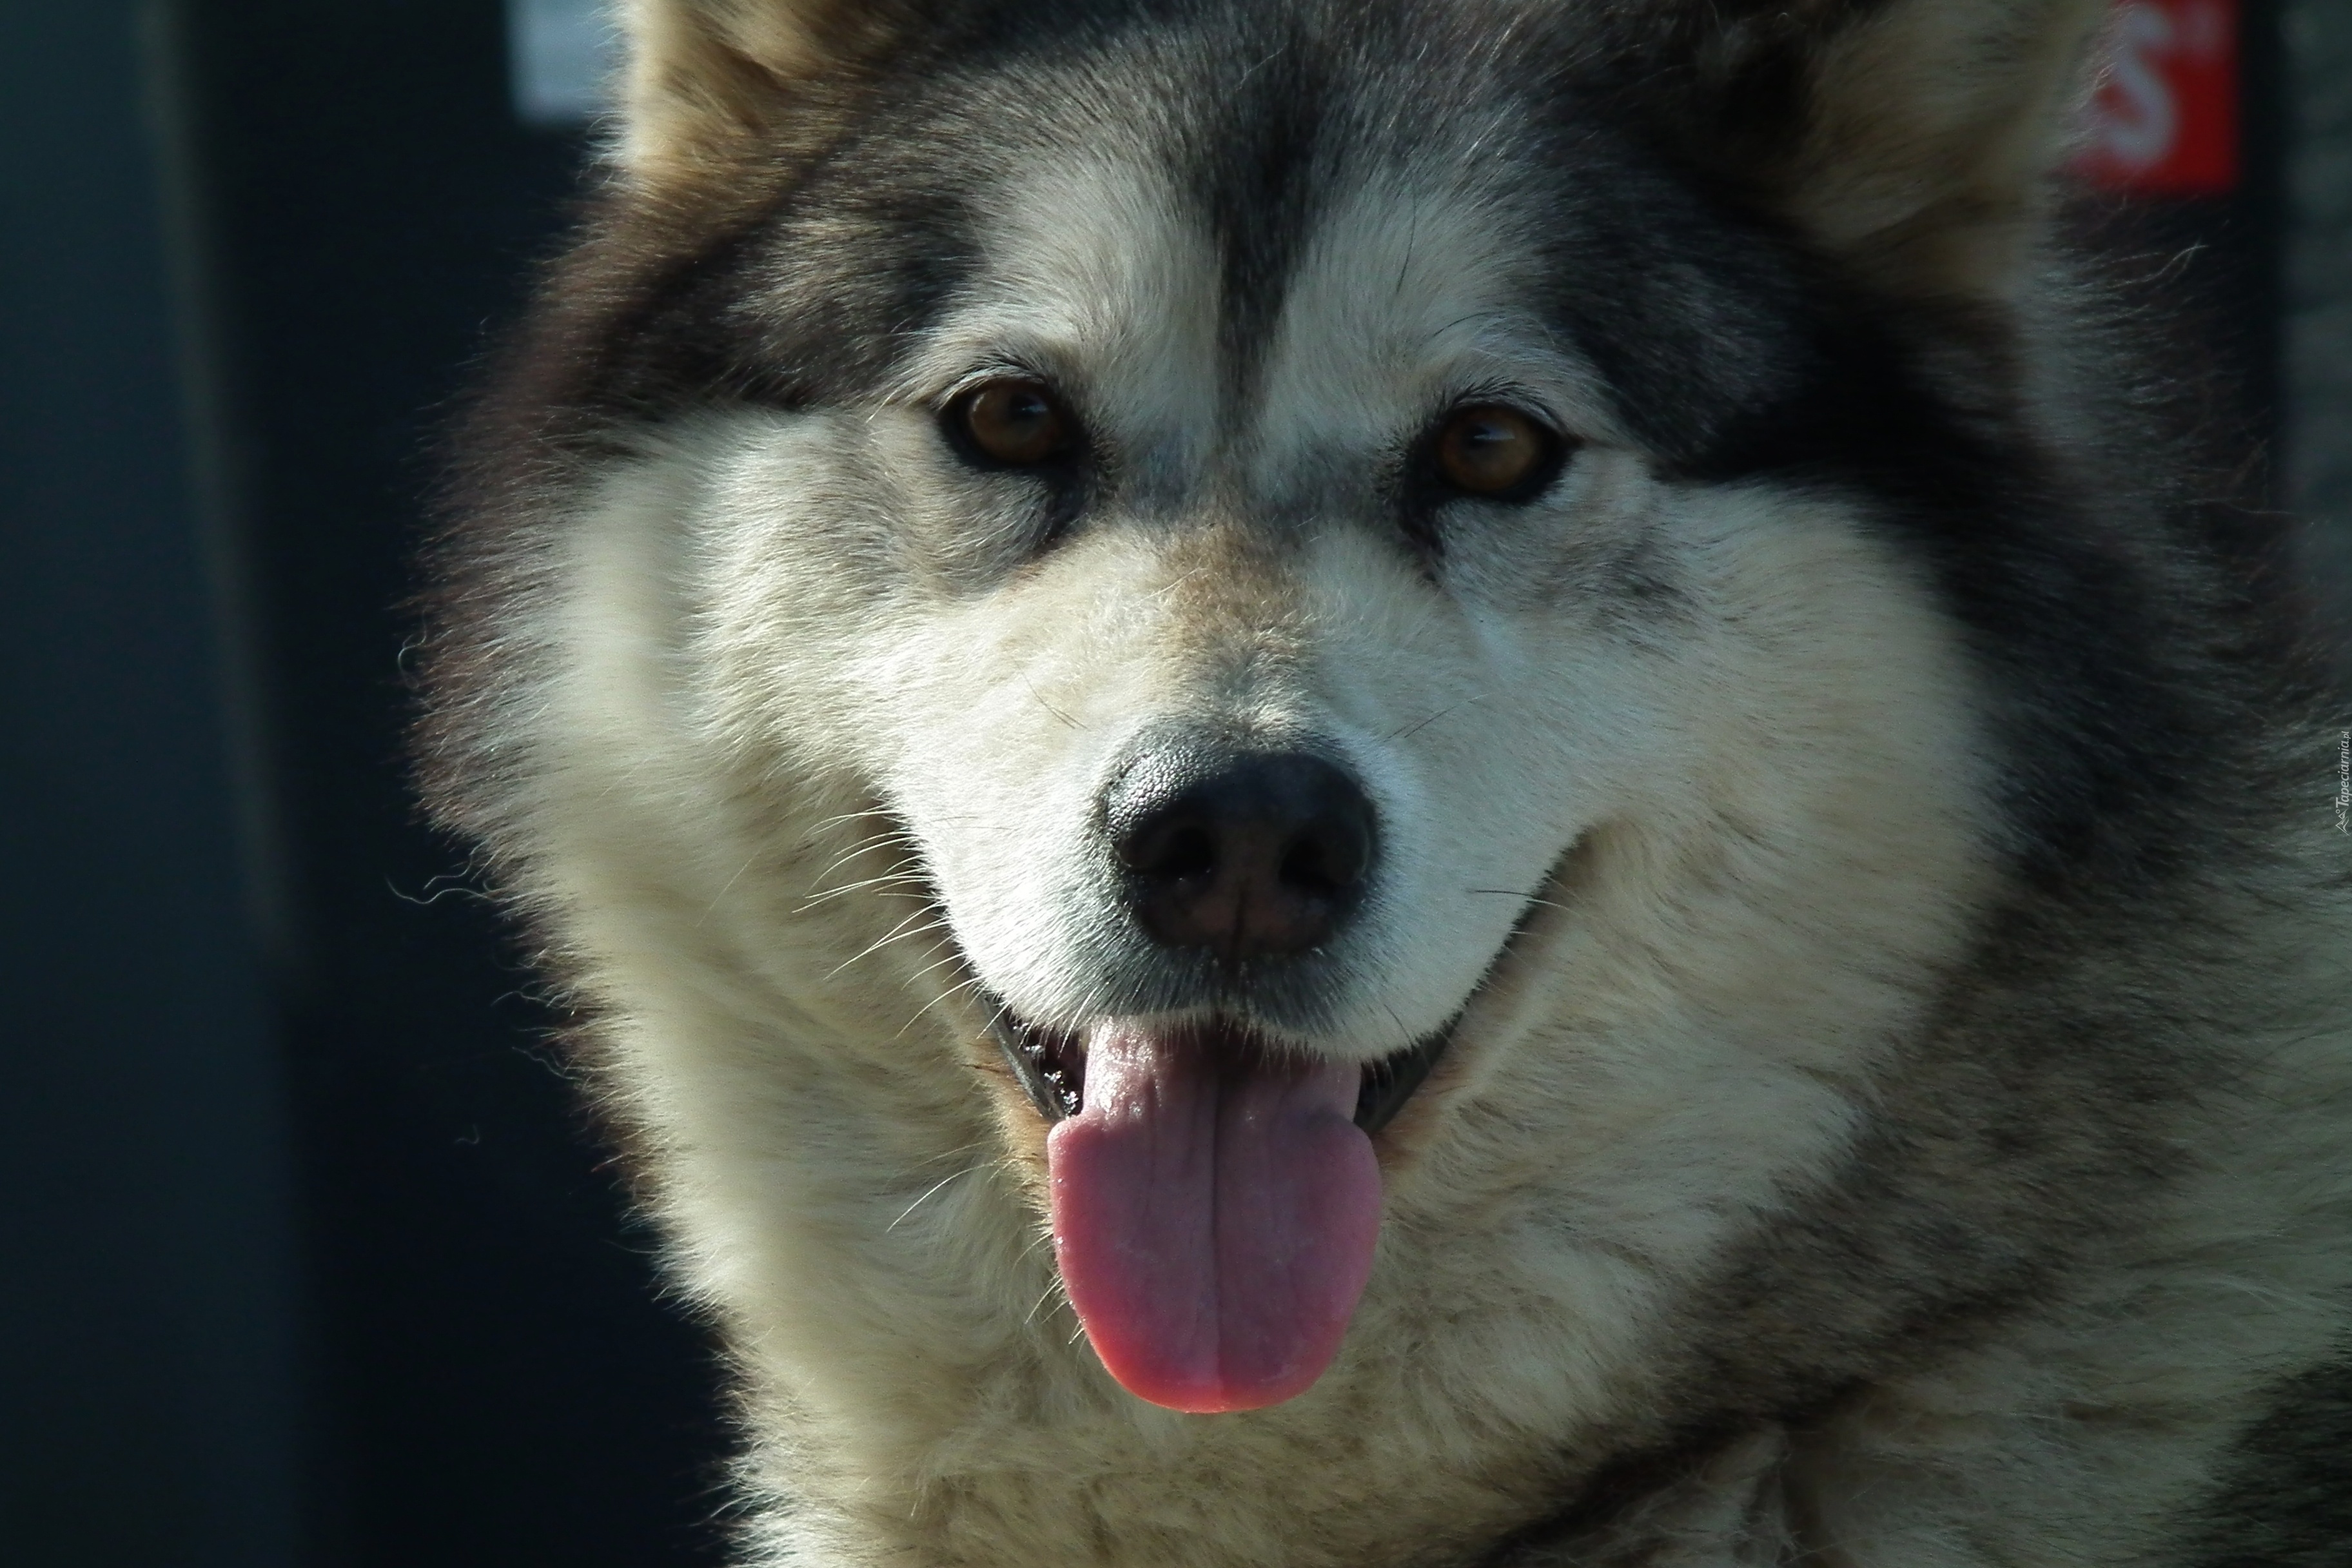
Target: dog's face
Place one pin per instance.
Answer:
(1211, 571)
(1243, 692)
(1292, 499)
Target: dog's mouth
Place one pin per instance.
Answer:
(1050, 1065)
(1216, 1198)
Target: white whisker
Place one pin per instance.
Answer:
(934, 1187)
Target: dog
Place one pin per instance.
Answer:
(1416, 782)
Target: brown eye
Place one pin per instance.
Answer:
(1490, 450)
(1015, 422)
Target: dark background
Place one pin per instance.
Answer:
(306, 1253)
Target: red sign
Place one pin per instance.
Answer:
(2164, 116)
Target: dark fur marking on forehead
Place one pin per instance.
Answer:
(1261, 176)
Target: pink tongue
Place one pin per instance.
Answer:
(1214, 1222)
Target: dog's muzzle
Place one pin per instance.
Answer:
(1249, 856)
(1248, 860)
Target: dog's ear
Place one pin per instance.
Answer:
(1914, 138)
(708, 78)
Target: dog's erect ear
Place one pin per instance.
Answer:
(707, 78)
(1914, 138)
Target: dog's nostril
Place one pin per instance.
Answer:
(1326, 859)
(1176, 850)
(1258, 856)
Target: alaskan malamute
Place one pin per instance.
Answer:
(1416, 782)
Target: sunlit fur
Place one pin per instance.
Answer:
(1843, 1154)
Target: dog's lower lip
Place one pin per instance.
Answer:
(1051, 1068)
(1392, 1080)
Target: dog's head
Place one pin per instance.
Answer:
(1219, 563)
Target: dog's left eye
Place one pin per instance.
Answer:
(1495, 452)
(1011, 422)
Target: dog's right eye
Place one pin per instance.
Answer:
(1016, 424)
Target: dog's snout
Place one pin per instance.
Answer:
(1264, 856)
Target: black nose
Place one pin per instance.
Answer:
(1256, 855)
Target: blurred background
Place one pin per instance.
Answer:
(307, 1254)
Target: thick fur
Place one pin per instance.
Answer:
(1873, 860)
